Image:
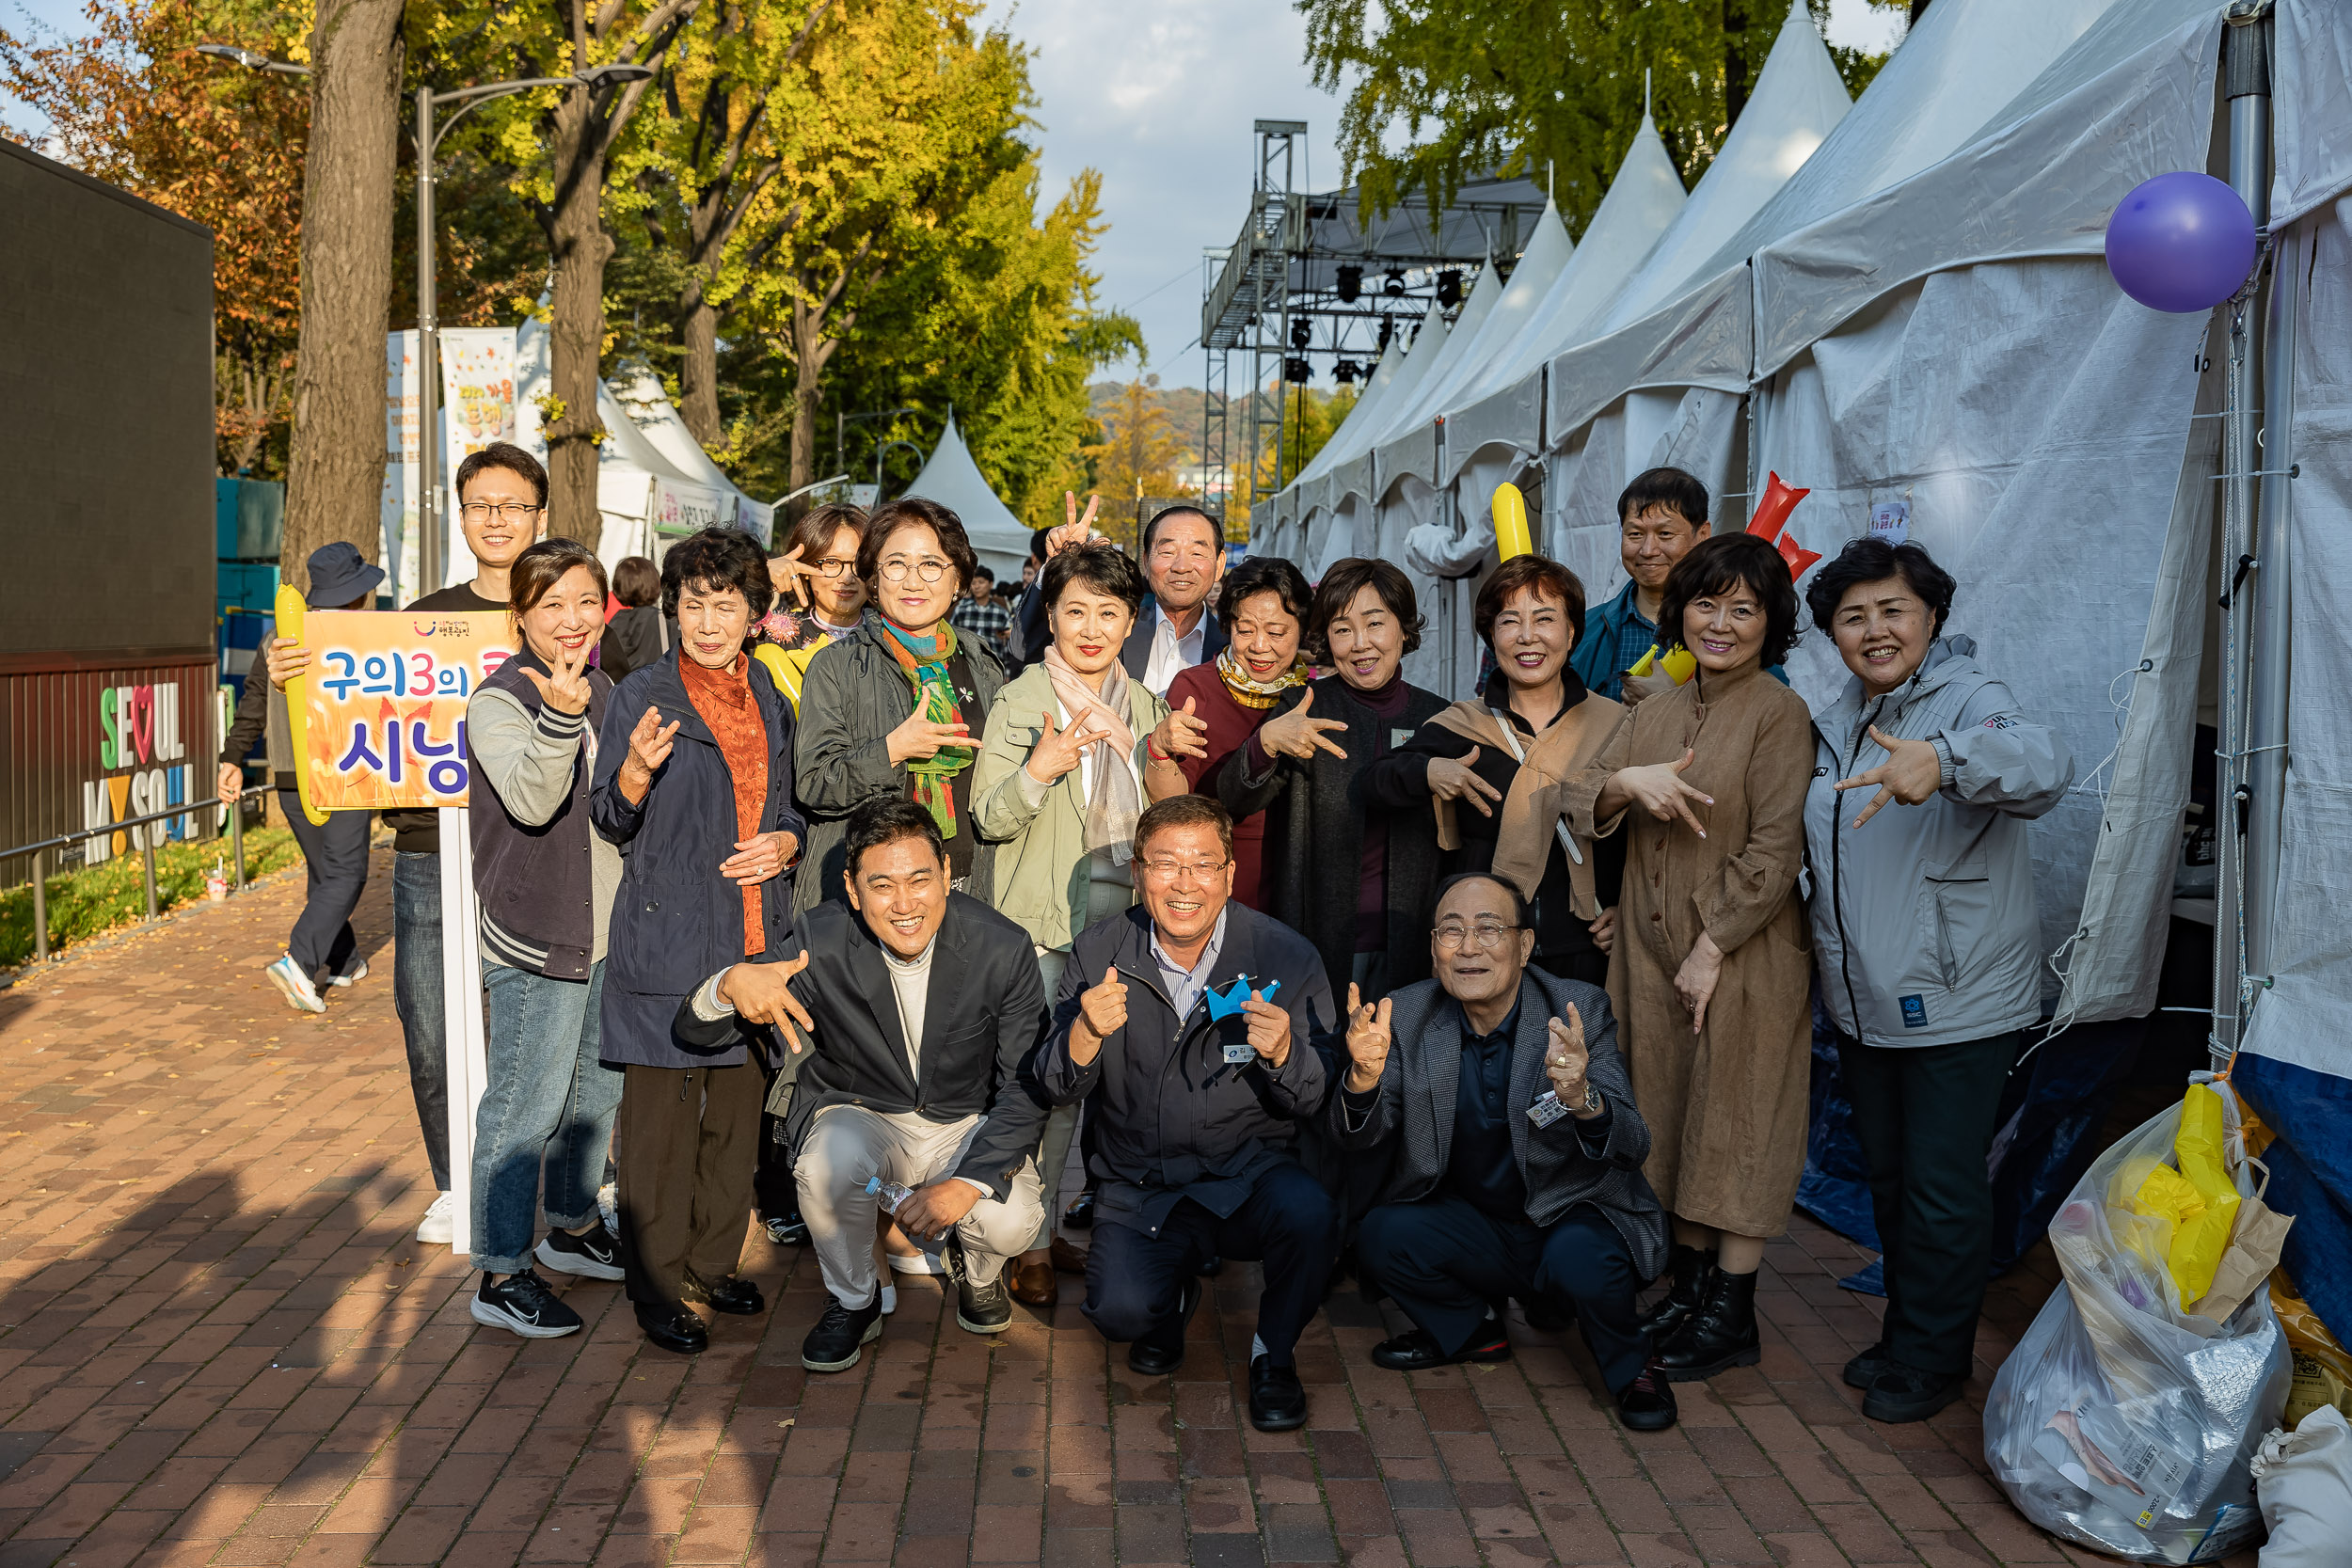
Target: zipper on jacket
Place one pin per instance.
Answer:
(1836, 878)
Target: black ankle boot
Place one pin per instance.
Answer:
(1689, 1266)
(1719, 1336)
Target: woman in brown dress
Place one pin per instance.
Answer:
(1711, 973)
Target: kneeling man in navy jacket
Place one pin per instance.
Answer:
(1188, 1021)
(1517, 1152)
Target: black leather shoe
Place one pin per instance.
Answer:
(1721, 1334)
(735, 1296)
(1277, 1403)
(1908, 1394)
(1647, 1403)
(1162, 1351)
(1863, 1369)
(672, 1328)
(1080, 1214)
(1417, 1350)
(841, 1334)
(1689, 1266)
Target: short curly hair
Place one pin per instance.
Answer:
(910, 511)
(1338, 590)
(1873, 560)
(1266, 574)
(714, 561)
(1715, 566)
(1532, 573)
(1102, 567)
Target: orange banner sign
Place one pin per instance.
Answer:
(386, 704)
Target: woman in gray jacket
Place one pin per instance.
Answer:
(1927, 938)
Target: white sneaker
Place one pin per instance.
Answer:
(914, 1262)
(352, 979)
(438, 1227)
(294, 985)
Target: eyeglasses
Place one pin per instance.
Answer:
(1168, 871)
(929, 570)
(833, 565)
(506, 512)
(1485, 934)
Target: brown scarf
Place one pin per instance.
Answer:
(1523, 833)
(723, 698)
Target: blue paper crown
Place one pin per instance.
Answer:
(1227, 1003)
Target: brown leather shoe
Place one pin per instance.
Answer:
(1034, 1285)
(1069, 1257)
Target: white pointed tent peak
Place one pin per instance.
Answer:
(1798, 101)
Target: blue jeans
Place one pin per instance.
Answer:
(418, 998)
(548, 1110)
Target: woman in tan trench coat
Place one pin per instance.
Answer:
(1711, 973)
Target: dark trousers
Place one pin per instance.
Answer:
(774, 1190)
(1446, 1262)
(684, 1142)
(1924, 1116)
(418, 997)
(335, 857)
(1135, 1281)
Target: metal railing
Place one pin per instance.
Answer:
(39, 852)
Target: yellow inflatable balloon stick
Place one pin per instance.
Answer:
(1510, 514)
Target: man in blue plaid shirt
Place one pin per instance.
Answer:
(1661, 514)
(979, 614)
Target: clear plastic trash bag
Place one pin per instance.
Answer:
(2120, 1421)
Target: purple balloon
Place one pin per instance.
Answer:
(2181, 243)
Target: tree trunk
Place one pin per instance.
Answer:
(335, 470)
(811, 349)
(576, 336)
(1736, 69)
(698, 374)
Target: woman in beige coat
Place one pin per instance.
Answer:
(1711, 974)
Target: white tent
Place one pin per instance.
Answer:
(954, 481)
(1798, 101)
(656, 418)
(1502, 406)
(1295, 507)
(1343, 494)
(646, 498)
(1412, 446)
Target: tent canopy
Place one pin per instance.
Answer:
(952, 478)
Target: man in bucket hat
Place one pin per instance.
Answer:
(321, 950)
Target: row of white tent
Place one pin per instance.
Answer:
(1898, 299)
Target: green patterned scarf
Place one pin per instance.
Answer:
(925, 661)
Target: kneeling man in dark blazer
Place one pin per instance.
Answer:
(923, 1003)
(1485, 1200)
(1188, 1023)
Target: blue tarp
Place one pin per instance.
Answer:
(2311, 1114)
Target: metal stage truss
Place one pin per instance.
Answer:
(1311, 278)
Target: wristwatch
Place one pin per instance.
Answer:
(1592, 1100)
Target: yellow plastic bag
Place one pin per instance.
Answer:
(2200, 1198)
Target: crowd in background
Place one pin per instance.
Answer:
(839, 886)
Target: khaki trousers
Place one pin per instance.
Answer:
(847, 1146)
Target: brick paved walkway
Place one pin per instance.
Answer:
(220, 1345)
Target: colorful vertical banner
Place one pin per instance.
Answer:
(403, 548)
(385, 704)
(477, 408)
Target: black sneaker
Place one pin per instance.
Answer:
(979, 1309)
(1905, 1393)
(1863, 1369)
(525, 1305)
(593, 1256)
(841, 1334)
(1417, 1350)
(1647, 1403)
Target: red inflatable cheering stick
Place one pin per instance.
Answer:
(1771, 516)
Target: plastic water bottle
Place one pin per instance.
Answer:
(891, 1193)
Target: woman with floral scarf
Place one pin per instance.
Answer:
(897, 706)
(1264, 606)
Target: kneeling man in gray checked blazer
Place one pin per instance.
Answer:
(1517, 1158)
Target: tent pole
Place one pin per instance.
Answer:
(2245, 83)
(2267, 717)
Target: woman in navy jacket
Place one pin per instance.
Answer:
(694, 781)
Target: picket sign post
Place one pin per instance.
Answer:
(465, 1042)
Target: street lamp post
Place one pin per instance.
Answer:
(428, 140)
